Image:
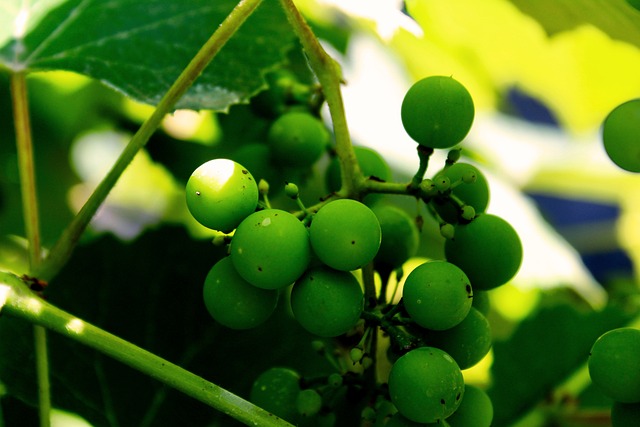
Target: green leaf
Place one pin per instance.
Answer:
(148, 292)
(614, 17)
(544, 350)
(140, 47)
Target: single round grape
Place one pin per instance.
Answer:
(437, 112)
(625, 414)
(327, 302)
(614, 364)
(426, 385)
(476, 409)
(371, 164)
(474, 194)
(437, 295)
(270, 249)
(345, 234)
(308, 402)
(487, 249)
(400, 236)
(621, 135)
(232, 301)
(468, 342)
(221, 193)
(276, 390)
(335, 380)
(297, 139)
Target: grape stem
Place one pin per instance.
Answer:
(17, 300)
(26, 167)
(65, 245)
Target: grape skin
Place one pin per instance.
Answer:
(487, 249)
(426, 385)
(475, 410)
(437, 295)
(232, 301)
(614, 364)
(270, 249)
(621, 135)
(625, 414)
(400, 236)
(276, 390)
(220, 194)
(437, 112)
(327, 302)
(475, 194)
(345, 234)
(297, 139)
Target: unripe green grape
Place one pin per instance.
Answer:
(276, 390)
(437, 112)
(345, 234)
(221, 193)
(270, 249)
(335, 380)
(297, 139)
(291, 190)
(487, 249)
(426, 385)
(625, 414)
(442, 182)
(621, 135)
(400, 236)
(232, 301)
(327, 302)
(468, 342)
(308, 402)
(437, 295)
(472, 192)
(468, 212)
(447, 231)
(475, 410)
(356, 354)
(614, 364)
(371, 164)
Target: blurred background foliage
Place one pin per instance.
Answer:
(543, 76)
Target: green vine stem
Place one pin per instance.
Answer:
(330, 77)
(63, 248)
(17, 300)
(26, 168)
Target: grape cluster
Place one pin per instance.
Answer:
(334, 263)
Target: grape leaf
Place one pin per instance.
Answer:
(546, 347)
(614, 17)
(150, 293)
(140, 47)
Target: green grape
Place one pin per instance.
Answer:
(327, 302)
(221, 193)
(276, 390)
(297, 139)
(283, 94)
(437, 295)
(270, 249)
(481, 301)
(345, 234)
(437, 112)
(614, 364)
(625, 414)
(474, 194)
(468, 342)
(426, 385)
(475, 410)
(371, 164)
(621, 135)
(442, 182)
(308, 402)
(356, 354)
(487, 249)
(335, 380)
(447, 231)
(232, 301)
(400, 236)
